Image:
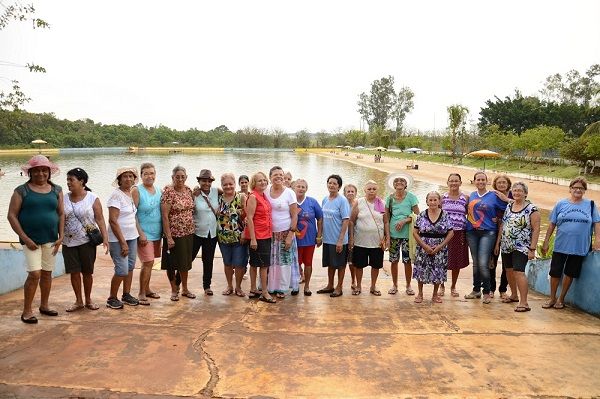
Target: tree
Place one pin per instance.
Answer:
(378, 136)
(376, 108)
(355, 138)
(573, 88)
(279, 137)
(541, 138)
(302, 139)
(403, 104)
(457, 119)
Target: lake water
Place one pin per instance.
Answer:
(102, 167)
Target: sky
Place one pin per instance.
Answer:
(289, 65)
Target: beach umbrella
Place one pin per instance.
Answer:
(39, 143)
(413, 149)
(484, 154)
(380, 149)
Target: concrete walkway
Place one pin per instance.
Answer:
(316, 347)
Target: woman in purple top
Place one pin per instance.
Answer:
(454, 203)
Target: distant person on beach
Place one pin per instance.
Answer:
(231, 215)
(350, 192)
(519, 232)
(122, 237)
(36, 215)
(259, 232)
(310, 230)
(146, 197)
(482, 227)
(454, 203)
(574, 219)
(336, 216)
(83, 211)
(433, 231)
(368, 237)
(177, 212)
(400, 205)
(501, 185)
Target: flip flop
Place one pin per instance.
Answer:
(548, 305)
(280, 295)
(441, 291)
(174, 297)
(393, 291)
(520, 309)
(226, 292)
(188, 295)
(254, 294)
(410, 291)
(92, 306)
(355, 292)
(375, 292)
(436, 299)
(336, 294)
(153, 295)
(509, 300)
(294, 293)
(240, 293)
(144, 302)
(418, 299)
(208, 292)
(325, 291)
(307, 293)
(267, 300)
(559, 305)
(454, 293)
(74, 307)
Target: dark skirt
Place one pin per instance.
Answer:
(458, 251)
(179, 257)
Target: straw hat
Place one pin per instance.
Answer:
(37, 161)
(205, 174)
(393, 176)
(120, 171)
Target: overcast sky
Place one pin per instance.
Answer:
(291, 65)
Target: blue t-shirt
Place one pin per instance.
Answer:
(483, 211)
(573, 226)
(334, 213)
(310, 212)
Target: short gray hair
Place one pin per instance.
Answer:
(522, 185)
(179, 168)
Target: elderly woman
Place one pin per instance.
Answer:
(35, 214)
(177, 211)
(83, 211)
(310, 230)
(519, 233)
(368, 238)
(146, 198)
(454, 203)
(258, 232)
(574, 218)
(122, 237)
(283, 271)
(230, 218)
(350, 192)
(205, 219)
(501, 186)
(482, 228)
(400, 205)
(336, 216)
(433, 231)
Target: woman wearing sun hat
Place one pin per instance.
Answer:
(122, 237)
(36, 214)
(399, 206)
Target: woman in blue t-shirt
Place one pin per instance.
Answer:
(482, 229)
(573, 219)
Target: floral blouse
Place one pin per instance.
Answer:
(181, 215)
(230, 219)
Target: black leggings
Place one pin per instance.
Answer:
(208, 246)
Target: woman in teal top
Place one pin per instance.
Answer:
(399, 206)
(35, 213)
(146, 198)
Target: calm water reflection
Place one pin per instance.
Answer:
(102, 167)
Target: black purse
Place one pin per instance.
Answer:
(91, 230)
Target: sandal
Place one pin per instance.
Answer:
(393, 291)
(267, 300)
(254, 294)
(307, 293)
(280, 295)
(503, 295)
(144, 302)
(175, 297)
(355, 292)
(521, 308)
(509, 300)
(436, 299)
(559, 305)
(152, 295)
(92, 306)
(188, 294)
(240, 293)
(74, 307)
(375, 292)
(418, 299)
(548, 305)
(228, 291)
(441, 291)
(410, 291)
(208, 292)
(454, 293)
(487, 299)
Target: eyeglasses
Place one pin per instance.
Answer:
(578, 188)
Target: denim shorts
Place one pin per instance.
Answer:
(123, 264)
(234, 255)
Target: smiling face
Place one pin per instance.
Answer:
(148, 177)
(228, 185)
(454, 183)
(518, 193)
(276, 177)
(577, 191)
(287, 179)
(480, 181)
(205, 185)
(261, 182)
(502, 185)
(399, 184)
(433, 201)
(244, 185)
(179, 179)
(74, 184)
(126, 180)
(39, 174)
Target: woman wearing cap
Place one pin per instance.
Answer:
(35, 213)
(206, 204)
(284, 270)
(122, 237)
(368, 238)
(83, 210)
(177, 212)
(146, 198)
(350, 191)
(399, 206)
(574, 218)
(259, 231)
(310, 230)
(230, 217)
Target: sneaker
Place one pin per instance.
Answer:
(473, 295)
(130, 300)
(114, 303)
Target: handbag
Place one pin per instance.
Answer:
(91, 230)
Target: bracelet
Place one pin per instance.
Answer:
(532, 249)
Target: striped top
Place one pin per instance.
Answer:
(456, 210)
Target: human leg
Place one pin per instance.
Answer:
(29, 289)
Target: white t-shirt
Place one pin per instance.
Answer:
(280, 212)
(74, 223)
(127, 210)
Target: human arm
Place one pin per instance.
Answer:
(498, 238)
(535, 234)
(549, 232)
(340, 242)
(319, 232)
(135, 195)
(14, 207)
(60, 209)
(386, 230)
(293, 225)
(351, 223)
(596, 244)
(99, 218)
(113, 221)
(165, 208)
(250, 211)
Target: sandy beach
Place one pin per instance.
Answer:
(543, 194)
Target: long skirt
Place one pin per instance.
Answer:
(458, 251)
(284, 272)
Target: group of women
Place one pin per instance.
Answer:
(271, 225)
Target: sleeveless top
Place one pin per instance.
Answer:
(38, 215)
(78, 215)
(230, 219)
(517, 231)
(262, 217)
(148, 213)
(456, 209)
(368, 229)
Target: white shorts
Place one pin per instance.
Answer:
(41, 258)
